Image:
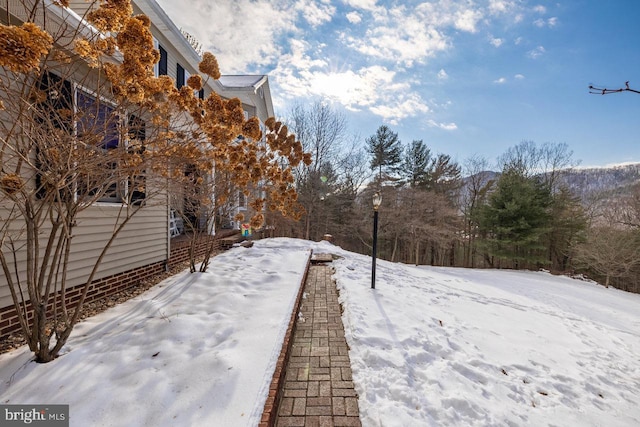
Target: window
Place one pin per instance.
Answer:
(162, 63)
(180, 76)
(55, 112)
(242, 201)
(138, 181)
(97, 127)
(57, 108)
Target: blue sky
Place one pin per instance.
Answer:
(468, 77)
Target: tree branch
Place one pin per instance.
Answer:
(605, 91)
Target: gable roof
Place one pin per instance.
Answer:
(250, 89)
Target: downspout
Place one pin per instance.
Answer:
(168, 231)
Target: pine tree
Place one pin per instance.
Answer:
(445, 175)
(516, 220)
(386, 151)
(417, 164)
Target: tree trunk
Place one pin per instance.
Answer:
(307, 232)
(452, 256)
(395, 247)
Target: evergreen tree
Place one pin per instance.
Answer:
(417, 164)
(386, 151)
(445, 175)
(515, 221)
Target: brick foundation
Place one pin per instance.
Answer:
(110, 285)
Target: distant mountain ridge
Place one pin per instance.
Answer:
(590, 183)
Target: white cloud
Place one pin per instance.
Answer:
(446, 13)
(540, 9)
(361, 4)
(299, 59)
(315, 13)
(234, 48)
(406, 35)
(466, 20)
(536, 53)
(443, 126)
(354, 17)
(497, 42)
(403, 39)
(518, 77)
(396, 109)
(518, 40)
(551, 22)
(500, 6)
(375, 88)
(364, 66)
(500, 81)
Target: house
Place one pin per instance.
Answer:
(144, 246)
(254, 92)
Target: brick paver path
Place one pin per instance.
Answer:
(318, 388)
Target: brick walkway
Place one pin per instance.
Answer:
(318, 388)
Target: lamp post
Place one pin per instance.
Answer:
(377, 200)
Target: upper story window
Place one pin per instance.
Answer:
(160, 68)
(181, 76)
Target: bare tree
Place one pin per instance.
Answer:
(610, 252)
(554, 157)
(525, 158)
(477, 184)
(322, 132)
(623, 209)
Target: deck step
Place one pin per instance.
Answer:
(321, 258)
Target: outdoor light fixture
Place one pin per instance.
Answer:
(377, 200)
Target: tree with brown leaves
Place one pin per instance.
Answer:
(84, 120)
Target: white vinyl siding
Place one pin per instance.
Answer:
(143, 241)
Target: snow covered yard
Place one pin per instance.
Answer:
(196, 350)
(459, 347)
(429, 347)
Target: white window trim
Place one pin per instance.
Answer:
(156, 66)
(242, 197)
